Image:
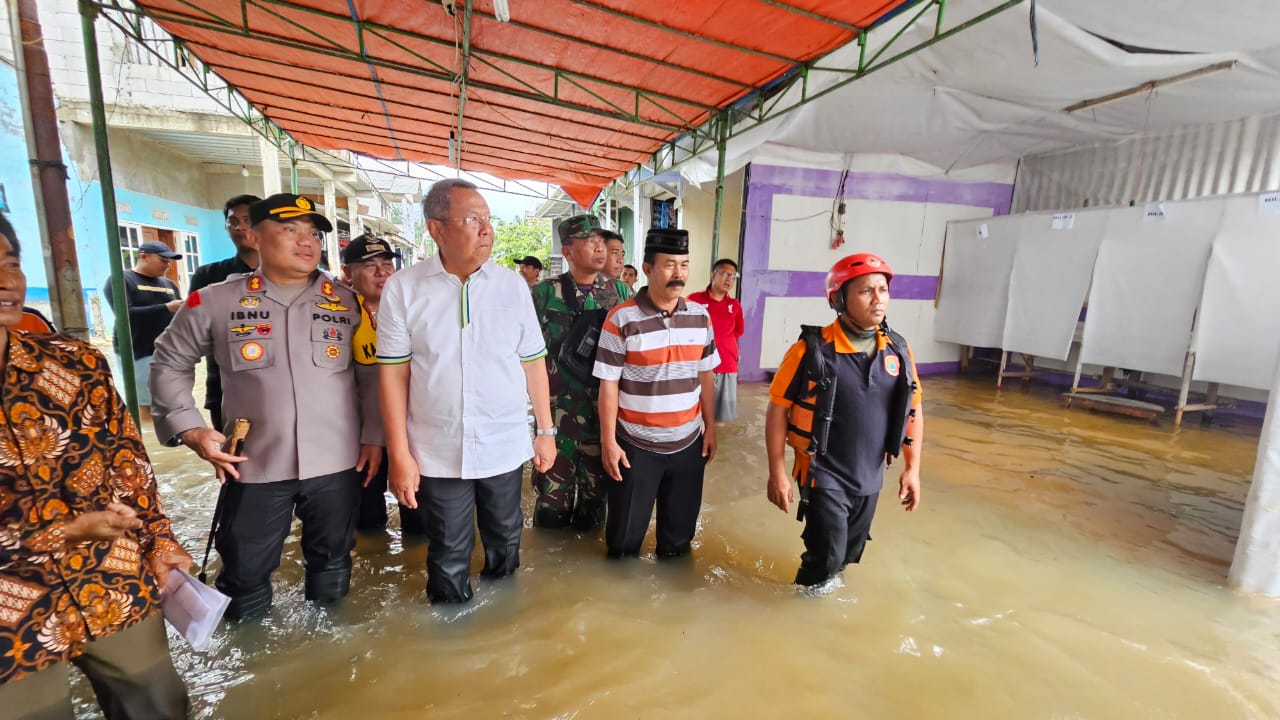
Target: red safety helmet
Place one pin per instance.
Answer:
(849, 268)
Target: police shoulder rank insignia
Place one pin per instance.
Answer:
(255, 283)
(250, 301)
(240, 330)
(251, 351)
(193, 300)
(326, 289)
(332, 306)
(332, 352)
(891, 364)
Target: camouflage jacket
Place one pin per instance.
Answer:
(556, 316)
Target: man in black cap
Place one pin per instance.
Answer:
(152, 299)
(367, 263)
(530, 268)
(571, 308)
(282, 339)
(657, 404)
(236, 214)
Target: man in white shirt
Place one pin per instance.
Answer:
(460, 348)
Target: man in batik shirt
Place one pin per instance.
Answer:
(84, 546)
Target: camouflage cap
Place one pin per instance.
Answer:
(578, 226)
(667, 240)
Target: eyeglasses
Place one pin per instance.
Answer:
(472, 220)
(729, 274)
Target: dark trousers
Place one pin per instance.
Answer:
(836, 530)
(372, 516)
(256, 521)
(130, 671)
(674, 482)
(454, 508)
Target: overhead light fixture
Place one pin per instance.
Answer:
(244, 171)
(502, 10)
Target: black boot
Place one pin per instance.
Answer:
(249, 606)
(328, 586)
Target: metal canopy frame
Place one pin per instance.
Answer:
(651, 129)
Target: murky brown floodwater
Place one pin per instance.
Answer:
(1063, 565)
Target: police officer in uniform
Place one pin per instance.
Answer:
(847, 399)
(367, 263)
(572, 492)
(281, 337)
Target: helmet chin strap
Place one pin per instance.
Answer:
(854, 329)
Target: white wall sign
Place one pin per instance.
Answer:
(1269, 203)
(1063, 221)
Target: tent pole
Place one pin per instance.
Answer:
(124, 341)
(293, 168)
(722, 135)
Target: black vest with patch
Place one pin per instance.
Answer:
(869, 415)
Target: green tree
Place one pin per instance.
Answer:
(514, 239)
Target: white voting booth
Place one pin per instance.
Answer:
(1182, 289)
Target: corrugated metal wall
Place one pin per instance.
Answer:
(1234, 157)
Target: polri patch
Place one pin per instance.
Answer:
(251, 351)
(332, 352)
(331, 334)
(891, 364)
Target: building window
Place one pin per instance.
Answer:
(130, 241)
(190, 252)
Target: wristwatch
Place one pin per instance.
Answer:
(545, 431)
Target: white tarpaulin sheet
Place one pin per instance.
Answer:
(979, 97)
(1238, 328)
(1052, 264)
(976, 263)
(1146, 285)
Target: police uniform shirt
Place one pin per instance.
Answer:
(286, 365)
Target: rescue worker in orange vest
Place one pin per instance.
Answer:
(847, 400)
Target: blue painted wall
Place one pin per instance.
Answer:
(86, 209)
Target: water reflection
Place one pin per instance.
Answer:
(1063, 565)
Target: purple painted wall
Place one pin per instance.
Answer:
(759, 283)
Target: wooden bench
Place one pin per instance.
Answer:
(1113, 404)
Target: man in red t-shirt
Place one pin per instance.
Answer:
(726, 318)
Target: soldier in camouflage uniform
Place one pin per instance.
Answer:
(571, 492)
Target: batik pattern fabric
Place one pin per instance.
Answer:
(68, 446)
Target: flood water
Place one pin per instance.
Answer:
(1062, 565)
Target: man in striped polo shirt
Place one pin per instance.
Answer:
(657, 404)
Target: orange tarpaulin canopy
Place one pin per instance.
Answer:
(569, 92)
